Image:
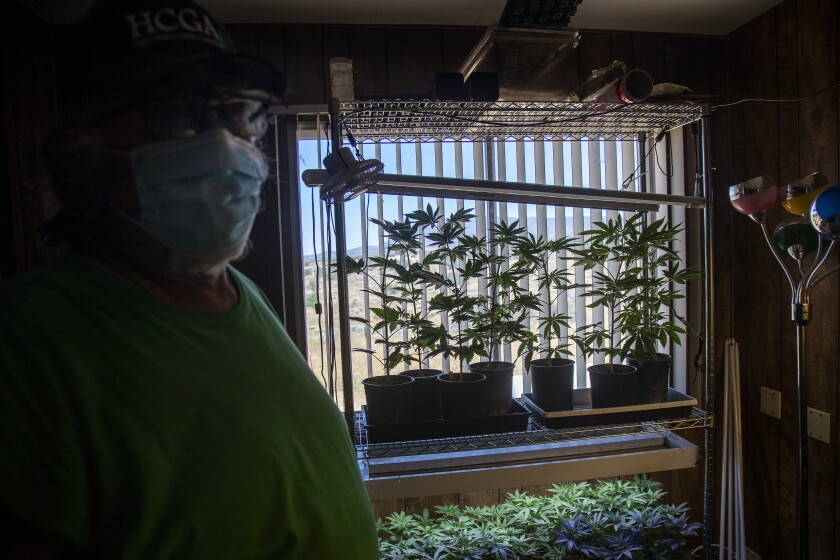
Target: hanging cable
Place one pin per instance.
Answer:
(331, 372)
(330, 309)
(318, 307)
(670, 173)
(632, 177)
(823, 90)
(698, 174)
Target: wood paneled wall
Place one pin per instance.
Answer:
(789, 52)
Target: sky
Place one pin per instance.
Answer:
(420, 159)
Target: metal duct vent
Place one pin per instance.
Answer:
(545, 13)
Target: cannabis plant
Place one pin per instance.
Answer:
(607, 520)
(501, 313)
(537, 254)
(458, 257)
(387, 278)
(615, 276)
(649, 318)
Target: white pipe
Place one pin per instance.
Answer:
(729, 470)
(742, 548)
(725, 447)
(732, 526)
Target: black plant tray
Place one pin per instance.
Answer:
(516, 420)
(677, 406)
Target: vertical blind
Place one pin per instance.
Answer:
(636, 165)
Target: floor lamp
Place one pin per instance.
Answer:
(812, 230)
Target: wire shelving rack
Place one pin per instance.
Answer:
(429, 121)
(535, 434)
(371, 121)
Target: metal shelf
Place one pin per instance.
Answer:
(371, 121)
(534, 435)
(426, 121)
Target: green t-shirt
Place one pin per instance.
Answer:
(138, 430)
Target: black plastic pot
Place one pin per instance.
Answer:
(654, 377)
(460, 394)
(612, 385)
(498, 389)
(552, 383)
(388, 399)
(425, 394)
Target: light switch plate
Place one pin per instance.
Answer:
(819, 424)
(752, 555)
(771, 402)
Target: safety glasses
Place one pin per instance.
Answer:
(183, 117)
(244, 114)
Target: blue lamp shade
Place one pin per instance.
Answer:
(825, 213)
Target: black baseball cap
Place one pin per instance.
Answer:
(132, 43)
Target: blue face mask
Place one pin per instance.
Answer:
(199, 196)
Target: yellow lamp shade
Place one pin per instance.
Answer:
(797, 197)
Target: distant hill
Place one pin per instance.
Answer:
(356, 252)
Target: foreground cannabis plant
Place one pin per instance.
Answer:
(607, 520)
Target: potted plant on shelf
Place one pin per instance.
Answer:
(460, 391)
(649, 317)
(425, 403)
(500, 314)
(552, 377)
(388, 396)
(613, 280)
(410, 284)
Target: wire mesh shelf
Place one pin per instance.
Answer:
(371, 121)
(535, 434)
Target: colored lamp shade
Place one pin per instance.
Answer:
(797, 196)
(796, 237)
(825, 213)
(754, 197)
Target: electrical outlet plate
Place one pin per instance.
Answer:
(819, 424)
(771, 402)
(752, 555)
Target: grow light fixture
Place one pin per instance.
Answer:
(529, 193)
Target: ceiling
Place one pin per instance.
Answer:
(708, 17)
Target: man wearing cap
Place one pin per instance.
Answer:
(151, 404)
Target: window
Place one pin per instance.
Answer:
(595, 163)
